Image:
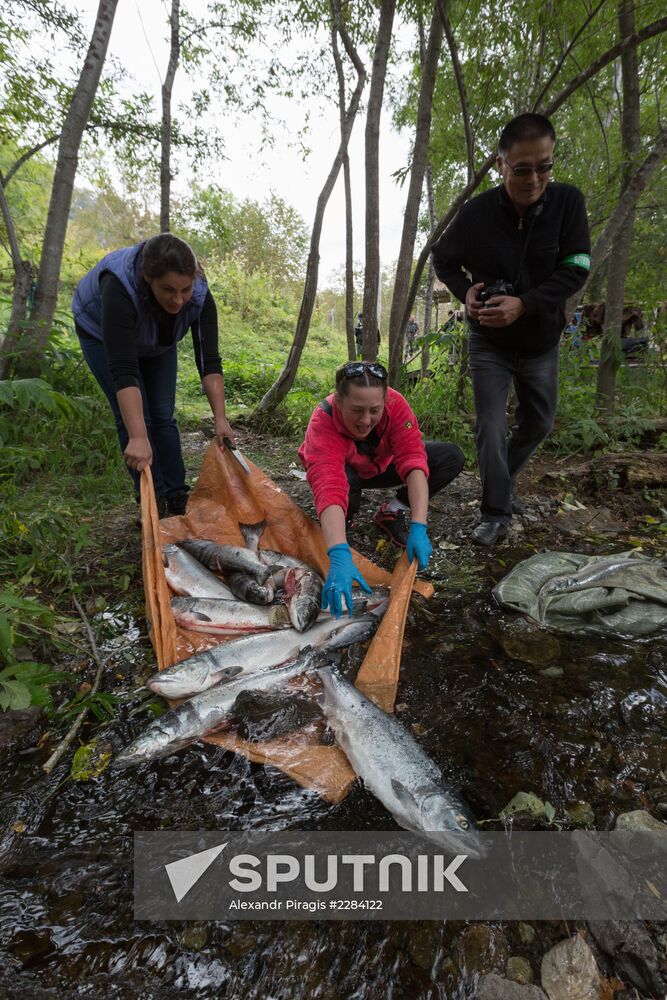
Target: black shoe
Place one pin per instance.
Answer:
(394, 523)
(489, 532)
(175, 505)
(518, 507)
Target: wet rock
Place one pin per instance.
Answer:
(524, 802)
(20, 729)
(581, 814)
(552, 672)
(492, 987)
(241, 943)
(484, 949)
(195, 936)
(423, 944)
(519, 970)
(31, 946)
(569, 971)
(640, 821)
(526, 933)
(523, 640)
(633, 953)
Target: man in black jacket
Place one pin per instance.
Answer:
(514, 255)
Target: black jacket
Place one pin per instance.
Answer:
(486, 239)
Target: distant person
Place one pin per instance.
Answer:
(515, 255)
(359, 334)
(130, 312)
(411, 331)
(365, 436)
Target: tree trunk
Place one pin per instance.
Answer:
(23, 276)
(372, 163)
(285, 380)
(63, 184)
(165, 138)
(428, 295)
(415, 187)
(17, 327)
(610, 353)
(347, 181)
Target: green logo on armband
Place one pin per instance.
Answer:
(579, 260)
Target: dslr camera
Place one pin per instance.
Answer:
(499, 287)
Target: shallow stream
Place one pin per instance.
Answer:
(500, 709)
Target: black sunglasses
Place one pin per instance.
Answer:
(353, 369)
(524, 171)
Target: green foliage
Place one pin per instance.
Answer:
(23, 682)
(101, 705)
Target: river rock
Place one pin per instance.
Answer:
(581, 813)
(519, 970)
(523, 640)
(492, 987)
(633, 953)
(423, 944)
(640, 821)
(20, 728)
(526, 933)
(569, 971)
(484, 949)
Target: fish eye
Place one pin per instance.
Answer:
(463, 823)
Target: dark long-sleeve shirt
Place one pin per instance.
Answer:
(119, 320)
(486, 239)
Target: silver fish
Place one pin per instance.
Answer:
(227, 617)
(639, 576)
(303, 597)
(395, 768)
(186, 575)
(257, 653)
(225, 558)
(252, 534)
(205, 712)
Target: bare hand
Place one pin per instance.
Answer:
(501, 310)
(473, 305)
(222, 431)
(138, 453)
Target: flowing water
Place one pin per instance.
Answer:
(499, 708)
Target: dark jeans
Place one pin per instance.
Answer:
(445, 461)
(536, 386)
(157, 381)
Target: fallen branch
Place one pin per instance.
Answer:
(68, 739)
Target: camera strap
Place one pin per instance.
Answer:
(534, 214)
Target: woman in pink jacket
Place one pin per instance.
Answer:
(365, 436)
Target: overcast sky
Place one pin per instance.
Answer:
(246, 172)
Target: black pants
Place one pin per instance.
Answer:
(445, 461)
(536, 385)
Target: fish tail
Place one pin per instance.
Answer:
(252, 534)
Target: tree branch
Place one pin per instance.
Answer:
(460, 85)
(561, 62)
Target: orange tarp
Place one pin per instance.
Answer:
(224, 497)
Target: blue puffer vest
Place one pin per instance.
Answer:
(125, 264)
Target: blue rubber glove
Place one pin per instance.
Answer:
(418, 545)
(338, 584)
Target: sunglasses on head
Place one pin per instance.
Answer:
(353, 369)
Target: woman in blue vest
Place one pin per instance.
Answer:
(130, 312)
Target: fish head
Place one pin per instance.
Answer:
(439, 814)
(138, 752)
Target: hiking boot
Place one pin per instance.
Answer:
(394, 523)
(489, 532)
(175, 505)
